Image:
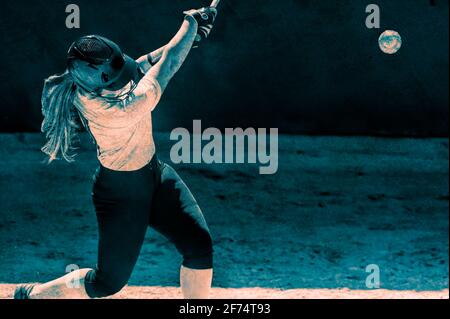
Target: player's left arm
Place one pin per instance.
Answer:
(146, 62)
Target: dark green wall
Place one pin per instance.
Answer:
(303, 66)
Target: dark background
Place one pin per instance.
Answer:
(304, 66)
(336, 204)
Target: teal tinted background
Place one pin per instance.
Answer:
(302, 66)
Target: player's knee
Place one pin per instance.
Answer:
(200, 254)
(99, 284)
(114, 285)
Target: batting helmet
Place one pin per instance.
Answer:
(97, 63)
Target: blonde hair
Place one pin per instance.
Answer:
(59, 125)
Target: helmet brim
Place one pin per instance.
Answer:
(129, 72)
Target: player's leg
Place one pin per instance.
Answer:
(70, 286)
(120, 241)
(195, 283)
(177, 216)
(121, 235)
(122, 202)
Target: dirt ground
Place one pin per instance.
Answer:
(6, 291)
(336, 205)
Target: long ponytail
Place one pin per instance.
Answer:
(59, 125)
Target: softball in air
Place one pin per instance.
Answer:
(390, 42)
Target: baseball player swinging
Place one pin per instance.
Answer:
(114, 96)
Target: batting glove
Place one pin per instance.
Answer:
(205, 18)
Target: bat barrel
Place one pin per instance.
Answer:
(215, 3)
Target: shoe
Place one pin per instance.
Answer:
(23, 291)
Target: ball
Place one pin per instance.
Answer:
(390, 42)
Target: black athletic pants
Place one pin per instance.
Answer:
(126, 204)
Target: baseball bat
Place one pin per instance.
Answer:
(215, 3)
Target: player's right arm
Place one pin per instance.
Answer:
(196, 26)
(175, 53)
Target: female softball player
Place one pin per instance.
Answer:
(114, 96)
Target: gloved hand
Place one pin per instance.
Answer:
(205, 18)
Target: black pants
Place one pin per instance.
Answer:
(126, 204)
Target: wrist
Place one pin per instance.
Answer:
(189, 18)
